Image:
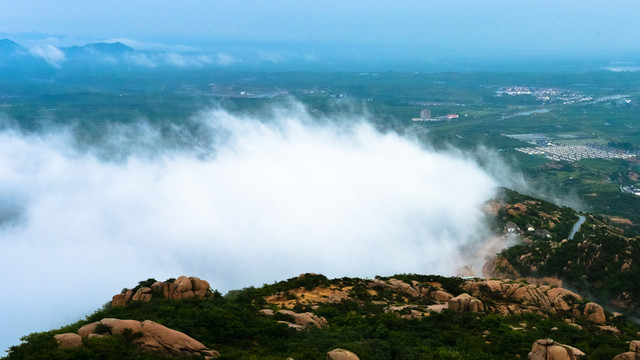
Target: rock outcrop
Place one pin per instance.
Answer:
(181, 288)
(341, 354)
(68, 340)
(632, 354)
(301, 321)
(502, 297)
(594, 312)
(153, 337)
(519, 297)
(547, 349)
(465, 303)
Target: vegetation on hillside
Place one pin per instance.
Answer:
(234, 325)
(600, 260)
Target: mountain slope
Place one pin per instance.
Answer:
(400, 317)
(599, 260)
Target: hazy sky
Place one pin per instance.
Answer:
(410, 26)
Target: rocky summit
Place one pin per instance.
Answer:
(181, 288)
(405, 316)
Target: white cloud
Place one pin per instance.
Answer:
(186, 60)
(49, 53)
(226, 59)
(271, 56)
(276, 197)
(140, 59)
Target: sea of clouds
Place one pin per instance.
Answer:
(268, 197)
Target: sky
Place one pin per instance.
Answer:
(412, 28)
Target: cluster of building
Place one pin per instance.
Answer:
(425, 115)
(545, 94)
(514, 90)
(575, 152)
(512, 228)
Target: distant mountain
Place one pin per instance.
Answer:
(16, 60)
(97, 49)
(12, 53)
(94, 56)
(10, 47)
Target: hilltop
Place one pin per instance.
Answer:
(406, 316)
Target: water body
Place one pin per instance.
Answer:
(538, 111)
(576, 227)
(525, 113)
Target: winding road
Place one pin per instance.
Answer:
(576, 227)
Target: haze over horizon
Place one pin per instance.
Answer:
(356, 30)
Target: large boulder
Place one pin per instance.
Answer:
(143, 294)
(155, 337)
(547, 349)
(68, 340)
(594, 312)
(634, 354)
(629, 355)
(181, 288)
(341, 354)
(465, 303)
(440, 295)
(168, 341)
(306, 319)
(521, 297)
(122, 299)
(109, 326)
(404, 287)
(200, 287)
(186, 288)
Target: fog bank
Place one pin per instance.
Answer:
(272, 199)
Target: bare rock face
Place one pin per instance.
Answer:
(162, 339)
(519, 297)
(594, 312)
(182, 288)
(301, 321)
(547, 349)
(629, 355)
(155, 337)
(404, 287)
(122, 299)
(143, 294)
(115, 326)
(68, 340)
(410, 290)
(634, 354)
(465, 303)
(440, 295)
(200, 287)
(341, 354)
